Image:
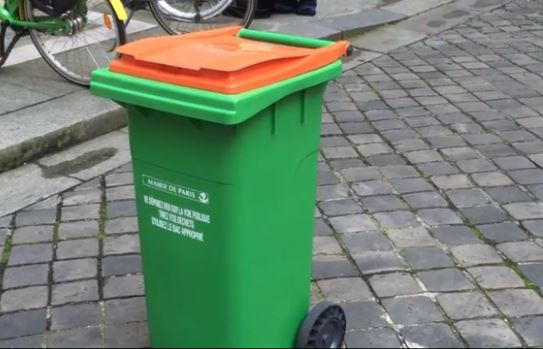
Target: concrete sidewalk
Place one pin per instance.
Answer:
(37, 114)
(428, 225)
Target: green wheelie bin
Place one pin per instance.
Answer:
(224, 129)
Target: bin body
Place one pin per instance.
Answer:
(225, 184)
(247, 284)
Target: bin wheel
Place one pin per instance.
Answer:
(324, 327)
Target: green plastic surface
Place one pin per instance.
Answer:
(225, 188)
(200, 104)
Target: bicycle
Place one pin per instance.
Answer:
(74, 37)
(185, 16)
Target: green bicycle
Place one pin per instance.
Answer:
(73, 36)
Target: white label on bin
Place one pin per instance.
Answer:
(176, 219)
(177, 190)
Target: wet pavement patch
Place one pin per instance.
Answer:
(78, 164)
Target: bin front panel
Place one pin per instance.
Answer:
(226, 223)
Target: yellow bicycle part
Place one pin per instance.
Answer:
(119, 10)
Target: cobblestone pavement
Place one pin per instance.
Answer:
(429, 224)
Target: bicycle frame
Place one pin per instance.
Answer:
(12, 14)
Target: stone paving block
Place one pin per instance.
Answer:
(82, 197)
(460, 153)
(121, 209)
(468, 197)
(455, 235)
(525, 210)
(366, 241)
(535, 227)
(121, 244)
(411, 185)
(29, 254)
(447, 141)
(487, 334)
(459, 181)
(396, 219)
(394, 284)
(426, 258)
(496, 277)
(534, 272)
(345, 289)
(410, 237)
(475, 165)
(495, 150)
(439, 216)
(445, 280)
(35, 217)
(386, 160)
(327, 177)
(77, 248)
(423, 156)
(71, 316)
(32, 234)
(321, 228)
(484, 214)
(383, 203)
(502, 232)
(325, 267)
(116, 179)
(332, 192)
(412, 310)
(5, 221)
(352, 223)
(334, 153)
(122, 225)
(477, 254)
(80, 212)
(373, 338)
(76, 338)
(431, 336)
(121, 193)
(78, 229)
(133, 335)
(530, 330)
(75, 269)
(326, 245)
(124, 286)
(364, 315)
(121, 265)
(526, 251)
(512, 163)
(430, 199)
(438, 169)
(505, 195)
(73, 292)
(526, 177)
(373, 262)
(374, 149)
(516, 303)
(125, 310)
(29, 275)
(536, 190)
(24, 299)
(491, 179)
(23, 342)
(371, 188)
(360, 174)
(466, 305)
(399, 171)
(24, 323)
(340, 207)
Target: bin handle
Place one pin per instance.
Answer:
(292, 40)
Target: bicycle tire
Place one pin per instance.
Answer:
(173, 25)
(64, 61)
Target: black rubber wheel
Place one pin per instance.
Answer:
(324, 327)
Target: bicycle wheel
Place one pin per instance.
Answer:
(95, 32)
(185, 16)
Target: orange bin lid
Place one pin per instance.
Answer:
(220, 61)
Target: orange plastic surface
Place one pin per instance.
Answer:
(220, 61)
